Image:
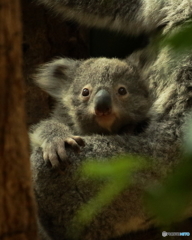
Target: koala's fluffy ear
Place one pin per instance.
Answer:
(55, 77)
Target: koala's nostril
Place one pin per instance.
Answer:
(102, 112)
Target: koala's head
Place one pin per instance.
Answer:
(102, 95)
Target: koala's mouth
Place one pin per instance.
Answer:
(106, 121)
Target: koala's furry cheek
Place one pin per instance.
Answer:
(117, 111)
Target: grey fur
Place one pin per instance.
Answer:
(103, 111)
(170, 82)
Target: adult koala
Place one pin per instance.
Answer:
(59, 196)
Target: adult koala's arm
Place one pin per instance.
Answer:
(130, 16)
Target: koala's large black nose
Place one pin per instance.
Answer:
(103, 103)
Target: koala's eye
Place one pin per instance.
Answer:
(122, 91)
(85, 92)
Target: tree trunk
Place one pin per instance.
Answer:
(17, 211)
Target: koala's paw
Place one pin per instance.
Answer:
(55, 151)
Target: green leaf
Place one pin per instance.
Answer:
(116, 175)
(112, 168)
(169, 201)
(181, 39)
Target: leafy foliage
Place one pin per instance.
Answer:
(180, 40)
(115, 175)
(169, 201)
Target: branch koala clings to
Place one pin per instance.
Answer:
(96, 96)
(169, 78)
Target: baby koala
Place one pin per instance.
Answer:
(94, 96)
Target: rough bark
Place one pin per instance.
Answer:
(17, 211)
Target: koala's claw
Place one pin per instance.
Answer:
(51, 158)
(55, 152)
(75, 142)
